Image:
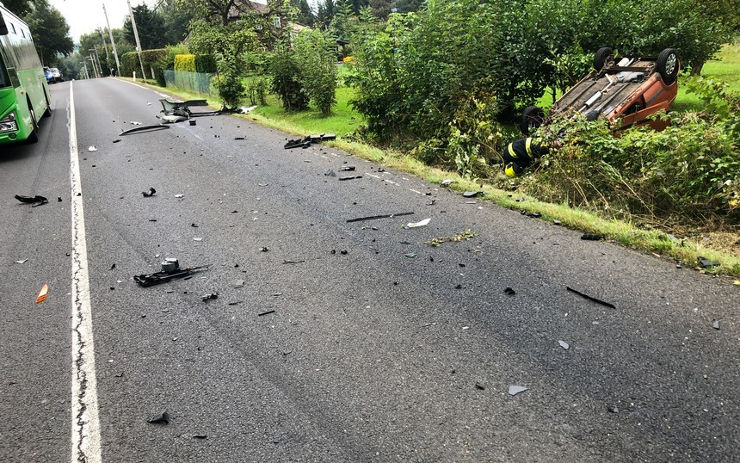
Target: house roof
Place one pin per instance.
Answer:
(243, 6)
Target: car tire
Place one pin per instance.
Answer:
(532, 118)
(667, 65)
(600, 57)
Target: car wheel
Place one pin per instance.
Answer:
(532, 118)
(667, 65)
(600, 57)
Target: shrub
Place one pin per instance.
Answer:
(205, 64)
(185, 63)
(315, 54)
(257, 91)
(286, 80)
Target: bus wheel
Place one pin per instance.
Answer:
(34, 137)
(47, 113)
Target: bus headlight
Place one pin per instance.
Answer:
(8, 123)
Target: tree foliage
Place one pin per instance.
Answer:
(150, 25)
(49, 30)
(315, 53)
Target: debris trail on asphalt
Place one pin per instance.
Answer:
(381, 216)
(591, 298)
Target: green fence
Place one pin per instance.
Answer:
(197, 82)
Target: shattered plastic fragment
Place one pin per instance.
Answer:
(22, 261)
(591, 237)
(209, 296)
(715, 324)
(160, 418)
(347, 168)
(421, 223)
(514, 390)
(410, 255)
(179, 196)
(472, 194)
(197, 238)
(446, 182)
(91, 148)
(150, 193)
(265, 313)
(707, 263)
(42, 294)
(509, 292)
(330, 173)
(37, 200)
(564, 345)
(350, 177)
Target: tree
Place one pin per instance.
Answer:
(50, 32)
(216, 11)
(176, 21)
(305, 14)
(19, 7)
(407, 6)
(381, 8)
(315, 53)
(326, 12)
(150, 26)
(341, 24)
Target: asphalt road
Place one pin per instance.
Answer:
(381, 347)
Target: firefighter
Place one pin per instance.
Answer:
(519, 154)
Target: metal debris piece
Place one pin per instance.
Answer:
(382, 216)
(410, 255)
(160, 418)
(590, 298)
(703, 261)
(514, 390)
(265, 313)
(144, 128)
(22, 261)
(509, 292)
(306, 142)
(715, 324)
(152, 279)
(421, 223)
(564, 345)
(472, 194)
(446, 182)
(351, 177)
(209, 297)
(347, 168)
(150, 193)
(591, 237)
(172, 118)
(37, 200)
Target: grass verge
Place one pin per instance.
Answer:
(658, 243)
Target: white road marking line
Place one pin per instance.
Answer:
(85, 420)
(373, 176)
(416, 191)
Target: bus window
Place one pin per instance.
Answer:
(4, 81)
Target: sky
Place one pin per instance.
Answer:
(85, 16)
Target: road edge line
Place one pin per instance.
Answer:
(85, 418)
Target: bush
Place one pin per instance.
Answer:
(152, 60)
(257, 91)
(315, 54)
(185, 63)
(286, 80)
(205, 63)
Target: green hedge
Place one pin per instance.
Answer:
(195, 63)
(152, 60)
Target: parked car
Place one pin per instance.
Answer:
(48, 75)
(56, 75)
(625, 92)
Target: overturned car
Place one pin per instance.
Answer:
(625, 92)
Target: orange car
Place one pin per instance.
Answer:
(628, 91)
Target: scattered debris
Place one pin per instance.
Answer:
(556, 222)
(152, 279)
(36, 201)
(117, 140)
(91, 148)
(234, 303)
(239, 138)
(330, 173)
(264, 249)
(564, 345)
(179, 196)
(534, 215)
(591, 237)
(590, 298)
(715, 324)
(613, 409)
(300, 261)
(160, 418)
(238, 284)
(446, 182)
(509, 292)
(422, 223)
(42, 294)
(209, 297)
(200, 436)
(192, 122)
(514, 390)
(703, 261)
(351, 177)
(466, 235)
(198, 238)
(306, 142)
(472, 194)
(246, 109)
(144, 128)
(22, 261)
(382, 216)
(410, 255)
(347, 168)
(265, 313)
(150, 193)
(480, 387)
(113, 266)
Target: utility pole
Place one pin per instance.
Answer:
(96, 66)
(92, 62)
(112, 42)
(87, 74)
(102, 37)
(136, 36)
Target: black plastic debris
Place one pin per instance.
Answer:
(590, 298)
(59, 199)
(534, 215)
(347, 168)
(509, 292)
(209, 297)
(200, 436)
(264, 249)
(715, 324)
(192, 122)
(144, 128)
(350, 177)
(306, 142)
(262, 314)
(703, 261)
(148, 194)
(472, 194)
(613, 409)
(293, 261)
(113, 266)
(591, 237)
(157, 278)
(239, 138)
(35, 201)
(117, 140)
(160, 418)
(381, 216)
(480, 387)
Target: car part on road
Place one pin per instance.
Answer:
(306, 142)
(591, 237)
(352, 177)
(715, 324)
(422, 223)
(157, 278)
(381, 216)
(509, 292)
(564, 345)
(472, 194)
(590, 298)
(36, 201)
(330, 173)
(42, 294)
(514, 390)
(150, 193)
(160, 418)
(707, 263)
(209, 297)
(144, 128)
(265, 313)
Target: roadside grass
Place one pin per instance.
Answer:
(344, 120)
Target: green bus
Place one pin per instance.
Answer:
(24, 93)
